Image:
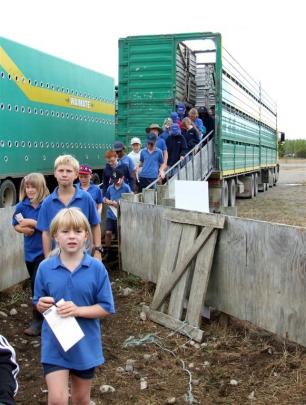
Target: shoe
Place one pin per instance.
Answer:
(30, 331)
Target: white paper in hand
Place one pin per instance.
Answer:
(19, 217)
(114, 209)
(66, 330)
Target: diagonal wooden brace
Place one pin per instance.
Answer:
(170, 281)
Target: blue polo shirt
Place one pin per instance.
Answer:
(32, 244)
(52, 205)
(161, 144)
(94, 191)
(115, 194)
(151, 163)
(87, 285)
(126, 160)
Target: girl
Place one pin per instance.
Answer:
(33, 191)
(82, 281)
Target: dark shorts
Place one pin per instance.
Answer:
(111, 225)
(85, 374)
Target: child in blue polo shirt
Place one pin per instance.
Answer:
(66, 169)
(82, 282)
(112, 196)
(85, 173)
(33, 191)
(151, 162)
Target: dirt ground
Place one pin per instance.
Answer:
(235, 364)
(285, 203)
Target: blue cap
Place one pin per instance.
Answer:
(175, 129)
(118, 146)
(181, 108)
(174, 116)
(151, 138)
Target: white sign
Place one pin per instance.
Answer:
(191, 195)
(66, 330)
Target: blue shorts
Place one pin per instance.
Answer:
(85, 374)
(111, 225)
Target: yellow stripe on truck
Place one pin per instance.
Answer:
(53, 97)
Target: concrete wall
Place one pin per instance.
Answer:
(258, 273)
(12, 266)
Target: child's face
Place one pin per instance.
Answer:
(71, 240)
(112, 161)
(136, 147)
(84, 179)
(65, 175)
(31, 192)
(119, 182)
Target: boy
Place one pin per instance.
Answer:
(124, 159)
(85, 173)
(66, 169)
(151, 162)
(111, 199)
(135, 153)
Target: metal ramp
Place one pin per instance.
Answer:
(197, 165)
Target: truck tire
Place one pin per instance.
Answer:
(232, 192)
(95, 178)
(271, 178)
(225, 194)
(255, 184)
(7, 194)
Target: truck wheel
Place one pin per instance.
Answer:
(271, 178)
(7, 194)
(255, 184)
(95, 178)
(225, 194)
(232, 192)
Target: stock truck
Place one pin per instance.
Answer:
(49, 107)
(156, 72)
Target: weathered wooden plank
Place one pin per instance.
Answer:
(167, 284)
(161, 193)
(200, 280)
(174, 324)
(178, 293)
(170, 254)
(129, 197)
(195, 218)
(149, 196)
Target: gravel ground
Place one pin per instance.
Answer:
(285, 203)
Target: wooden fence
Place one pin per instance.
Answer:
(12, 266)
(258, 272)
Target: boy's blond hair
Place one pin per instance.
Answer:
(67, 160)
(38, 181)
(70, 218)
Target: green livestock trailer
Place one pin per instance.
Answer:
(156, 72)
(49, 107)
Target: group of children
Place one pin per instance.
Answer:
(62, 242)
(62, 246)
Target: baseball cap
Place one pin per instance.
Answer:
(85, 169)
(117, 174)
(135, 140)
(118, 146)
(151, 138)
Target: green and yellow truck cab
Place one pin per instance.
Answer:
(156, 72)
(49, 107)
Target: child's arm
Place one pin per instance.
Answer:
(28, 222)
(46, 241)
(96, 236)
(26, 230)
(99, 209)
(68, 308)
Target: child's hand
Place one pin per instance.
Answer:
(28, 231)
(44, 303)
(68, 308)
